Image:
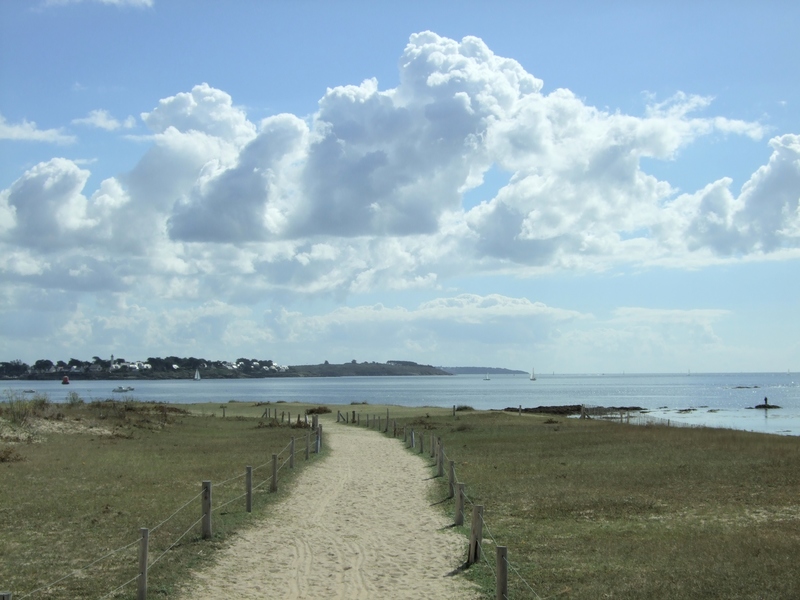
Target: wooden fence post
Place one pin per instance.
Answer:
(318, 447)
(441, 458)
(142, 583)
(502, 573)
(273, 486)
(413, 441)
(379, 423)
(206, 510)
(459, 518)
(433, 445)
(451, 485)
(5, 595)
(223, 411)
(394, 428)
(454, 410)
(354, 417)
(291, 453)
(519, 414)
(476, 535)
(308, 443)
(248, 486)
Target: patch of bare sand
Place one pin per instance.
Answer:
(357, 525)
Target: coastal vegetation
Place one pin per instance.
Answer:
(596, 509)
(80, 479)
(587, 508)
(173, 367)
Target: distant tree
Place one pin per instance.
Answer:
(326, 362)
(193, 363)
(74, 362)
(42, 365)
(14, 368)
(61, 365)
(352, 362)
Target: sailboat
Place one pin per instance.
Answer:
(533, 377)
(197, 374)
(487, 377)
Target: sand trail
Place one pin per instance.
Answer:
(357, 525)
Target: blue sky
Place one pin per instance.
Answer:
(575, 186)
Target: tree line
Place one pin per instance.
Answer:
(17, 368)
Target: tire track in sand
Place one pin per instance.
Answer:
(357, 525)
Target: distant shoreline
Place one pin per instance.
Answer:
(322, 370)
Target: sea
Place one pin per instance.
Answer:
(723, 400)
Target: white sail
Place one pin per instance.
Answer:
(197, 374)
(533, 376)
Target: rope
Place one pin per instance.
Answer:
(231, 479)
(112, 592)
(76, 571)
(255, 487)
(269, 462)
(486, 529)
(488, 564)
(152, 564)
(176, 512)
(513, 568)
(229, 501)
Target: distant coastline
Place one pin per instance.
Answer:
(482, 371)
(351, 369)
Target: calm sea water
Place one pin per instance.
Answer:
(719, 400)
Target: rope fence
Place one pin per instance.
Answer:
(204, 521)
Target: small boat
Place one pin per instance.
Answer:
(65, 380)
(533, 377)
(197, 374)
(486, 378)
(122, 389)
(28, 391)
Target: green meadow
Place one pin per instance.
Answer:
(587, 508)
(595, 509)
(78, 481)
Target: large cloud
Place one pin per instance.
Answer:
(368, 193)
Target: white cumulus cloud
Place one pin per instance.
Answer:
(102, 119)
(28, 131)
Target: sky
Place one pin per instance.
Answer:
(579, 187)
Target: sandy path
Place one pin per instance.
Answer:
(357, 525)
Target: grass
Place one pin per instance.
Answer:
(592, 509)
(100, 471)
(588, 509)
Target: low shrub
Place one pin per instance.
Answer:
(9, 454)
(319, 410)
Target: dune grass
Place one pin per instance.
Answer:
(588, 509)
(91, 475)
(593, 509)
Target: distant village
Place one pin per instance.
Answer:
(99, 367)
(173, 367)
